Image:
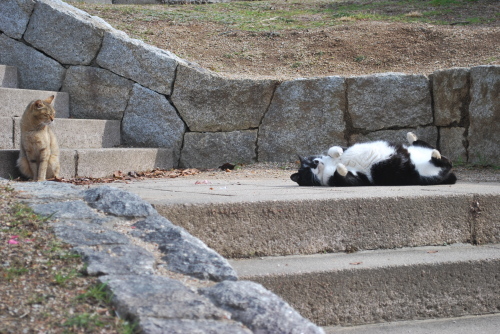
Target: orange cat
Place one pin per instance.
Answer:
(39, 156)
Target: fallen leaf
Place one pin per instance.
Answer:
(434, 251)
(355, 263)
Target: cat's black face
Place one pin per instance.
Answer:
(305, 175)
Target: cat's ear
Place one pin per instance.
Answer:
(300, 159)
(50, 99)
(295, 177)
(38, 104)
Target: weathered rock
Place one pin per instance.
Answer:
(258, 308)
(151, 121)
(160, 297)
(36, 71)
(96, 93)
(8, 77)
(208, 102)
(15, 17)
(306, 117)
(50, 191)
(65, 210)
(78, 233)
(453, 143)
(428, 134)
(212, 149)
(117, 260)
(65, 33)
(118, 202)
(382, 101)
(184, 253)
(450, 90)
(145, 64)
(182, 326)
(484, 129)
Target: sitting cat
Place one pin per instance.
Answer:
(377, 163)
(39, 153)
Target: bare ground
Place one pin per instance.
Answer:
(349, 47)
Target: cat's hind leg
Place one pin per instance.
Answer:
(436, 155)
(24, 167)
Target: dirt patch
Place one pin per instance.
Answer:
(350, 47)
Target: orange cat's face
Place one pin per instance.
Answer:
(43, 110)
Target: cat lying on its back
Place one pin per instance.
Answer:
(377, 163)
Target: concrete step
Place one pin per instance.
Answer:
(70, 133)
(97, 162)
(8, 76)
(260, 217)
(484, 324)
(384, 285)
(15, 101)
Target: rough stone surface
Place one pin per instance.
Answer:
(183, 252)
(450, 90)
(212, 149)
(8, 76)
(155, 296)
(306, 117)
(36, 71)
(259, 309)
(428, 134)
(182, 326)
(452, 144)
(145, 64)
(208, 102)
(48, 191)
(96, 93)
(117, 260)
(77, 232)
(65, 33)
(15, 17)
(387, 100)
(65, 210)
(118, 202)
(484, 130)
(151, 121)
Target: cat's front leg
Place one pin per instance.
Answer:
(341, 169)
(335, 152)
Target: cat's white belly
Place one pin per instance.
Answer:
(359, 158)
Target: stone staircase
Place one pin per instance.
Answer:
(89, 147)
(348, 258)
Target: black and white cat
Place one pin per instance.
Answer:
(377, 163)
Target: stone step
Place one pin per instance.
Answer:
(8, 76)
(261, 217)
(70, 133)
(484, 324)
(383, 285)
(15, 101)
(97, 162)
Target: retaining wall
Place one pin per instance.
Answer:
(208, 119)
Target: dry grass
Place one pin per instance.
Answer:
(41, 287)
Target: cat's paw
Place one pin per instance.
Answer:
(341, 169)
(335, 151)
(411, 137)
(436, 154)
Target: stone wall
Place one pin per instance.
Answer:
(208, 119)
